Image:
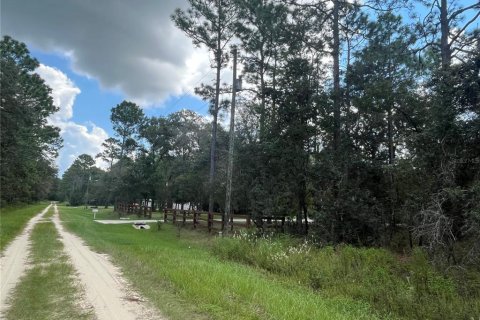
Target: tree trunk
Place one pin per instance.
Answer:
(445, 31)
(215, 114)
(231, 147)
(391, 159)
(336, 76)
(262, 94)
(274, 82)
(336, 104)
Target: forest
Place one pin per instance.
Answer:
(358, 120)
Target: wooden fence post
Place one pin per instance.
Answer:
(165, 215)
(210, 221)
(174, 220)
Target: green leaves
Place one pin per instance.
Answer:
(126, 119)
(28, 143)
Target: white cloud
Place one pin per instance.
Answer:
(81, 139)
(64, 93)
(131, 47)
(78, 139)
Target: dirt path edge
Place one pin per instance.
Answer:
(13, 261)
(106, 289)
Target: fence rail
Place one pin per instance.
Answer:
(129, 208)
(204, 219)
(196, 218)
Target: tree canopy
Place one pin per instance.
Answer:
(28, 143)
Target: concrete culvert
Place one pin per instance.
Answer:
(141, 226)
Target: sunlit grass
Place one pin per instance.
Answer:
(187, 281)
(13, 219)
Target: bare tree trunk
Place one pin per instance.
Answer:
(215, 114)
(445, 31)
(262, 94)
(274, 82)
(336, 100)
(391, 159)
(231, 145)
(336, 76)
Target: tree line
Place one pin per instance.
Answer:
(361, 116)
(28, 144)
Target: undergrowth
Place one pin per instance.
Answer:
(407, 286)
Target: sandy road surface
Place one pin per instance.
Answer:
(14, 260)
(105, 288)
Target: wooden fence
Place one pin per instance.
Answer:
(130, 208)
(212, 221)
(203, 219)
(271, 223)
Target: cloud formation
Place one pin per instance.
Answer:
(128, 46)
(77, 138)
(64, 93)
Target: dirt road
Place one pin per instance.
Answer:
(106, 289)
(14, 260)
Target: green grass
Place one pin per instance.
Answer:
(408, 288)
(186, 280)
(48, 289)
(13, 220)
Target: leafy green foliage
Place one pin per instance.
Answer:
(80, 183)
(28, 142)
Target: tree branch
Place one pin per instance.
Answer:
(428, 44)
(462, 50)
(460, 11)
(464, 27)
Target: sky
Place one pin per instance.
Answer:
(95, 54)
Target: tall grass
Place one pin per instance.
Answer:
(409, 288)
(14, 218)
(185, 280)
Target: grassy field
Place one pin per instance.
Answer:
(190, 275)
(180, 274)
(48, 290)
(13, 220)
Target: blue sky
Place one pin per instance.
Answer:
(94, 103)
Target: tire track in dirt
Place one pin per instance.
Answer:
(106, 290)
(13, 261)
